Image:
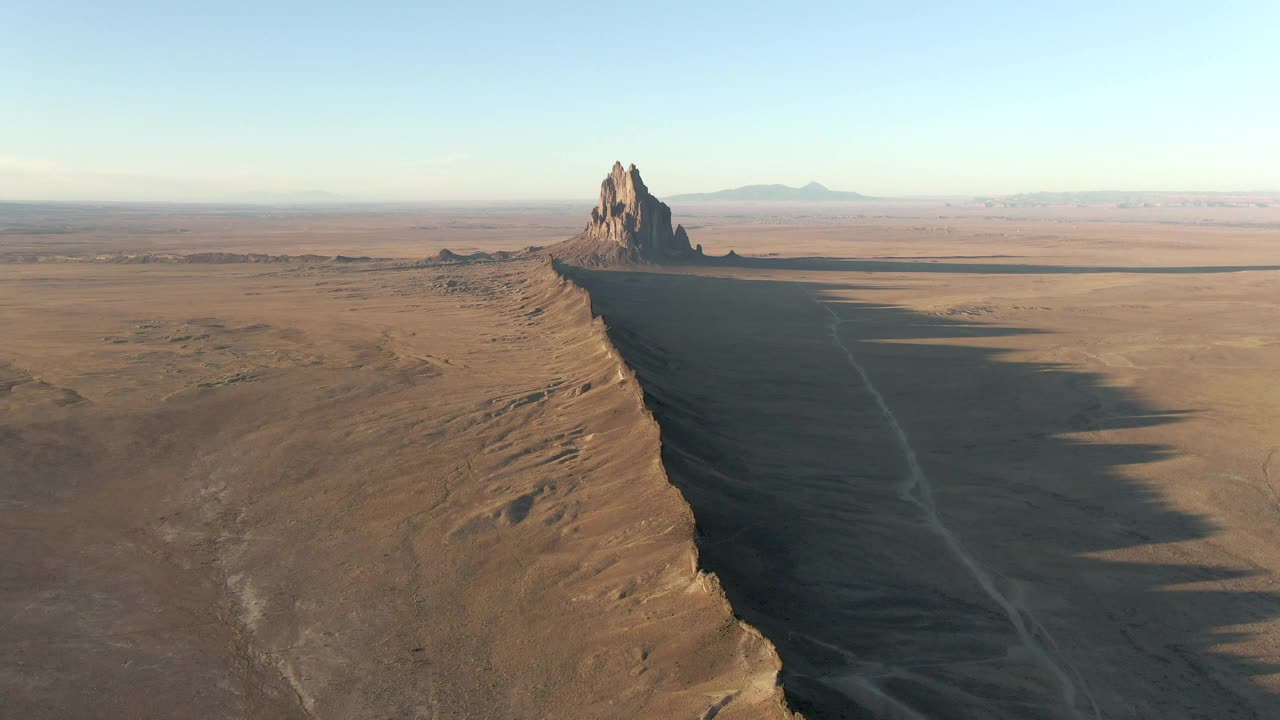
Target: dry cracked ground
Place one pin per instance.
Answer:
(1013, 467)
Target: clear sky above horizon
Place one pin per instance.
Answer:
(464, 101)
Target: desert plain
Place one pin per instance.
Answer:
(899, 460)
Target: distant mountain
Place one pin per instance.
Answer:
(774, 193)
(304, 197)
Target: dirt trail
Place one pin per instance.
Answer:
(804, 437)
(917, 489)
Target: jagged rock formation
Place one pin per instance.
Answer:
(629, 226)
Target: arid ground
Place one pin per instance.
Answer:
(960, 463)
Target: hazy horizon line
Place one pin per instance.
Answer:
(338, 199)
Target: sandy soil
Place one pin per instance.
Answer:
(977, 464)
(341, 492)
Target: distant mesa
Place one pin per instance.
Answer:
(208, 258)
(776, 193)
(628, 226)
(1127, 200)
(223, 258)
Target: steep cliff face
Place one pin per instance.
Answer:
(629, 225)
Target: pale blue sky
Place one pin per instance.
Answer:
(450, 101)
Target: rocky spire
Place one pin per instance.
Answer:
(628, 226)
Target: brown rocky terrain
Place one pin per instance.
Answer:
(954, 464)
(334, 491)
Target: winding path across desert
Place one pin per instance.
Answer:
(1063, 570)
(916, 488)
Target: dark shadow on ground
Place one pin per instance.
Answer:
(926, 265)
(795, 478)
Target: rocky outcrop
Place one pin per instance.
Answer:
(628, 226)
(447, 256)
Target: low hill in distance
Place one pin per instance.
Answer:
(1134, 199)
(776, 193)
